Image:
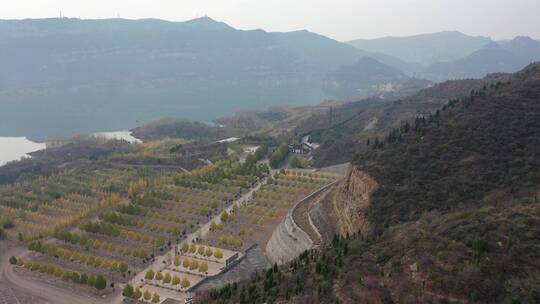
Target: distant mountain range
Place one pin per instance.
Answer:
(61, 76)
(369, 77)
(506, 57)
(64, 76)
(453, 55)
(425, 49)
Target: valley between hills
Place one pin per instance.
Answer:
(432, 198)
(266, 167)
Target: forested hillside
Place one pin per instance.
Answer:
(475, 150)
(454, 219)
(344, 129)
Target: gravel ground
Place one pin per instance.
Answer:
(13, 295)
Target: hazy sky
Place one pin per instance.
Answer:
(339, 19)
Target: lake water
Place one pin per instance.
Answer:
(15, 148)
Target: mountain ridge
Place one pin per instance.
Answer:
(126, 67)
(424, 48)
(508, 57)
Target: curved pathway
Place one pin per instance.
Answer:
(49, 292)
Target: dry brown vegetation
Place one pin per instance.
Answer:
(455, 216)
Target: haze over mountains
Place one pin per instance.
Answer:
(453, 55)
(441, 207)
(369, 77)
(64, 76)
(494, 57)
(425, 49)
(391, 170)
(108, 74)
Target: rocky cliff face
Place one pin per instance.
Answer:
(351, 199)
(342, 211)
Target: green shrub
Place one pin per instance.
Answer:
(100, 283)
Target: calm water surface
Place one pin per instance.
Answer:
(15, 148)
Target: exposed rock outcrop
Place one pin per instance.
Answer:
(342, 210)
(351, 199)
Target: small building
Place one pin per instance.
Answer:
(250, 149)
(228, 140)
(303, 148)
(296, 148)
(310, 146)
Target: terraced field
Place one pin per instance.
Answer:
(40, 206)
(139, 228)
(254, 222)
(119, 233)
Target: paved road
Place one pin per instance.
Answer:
(59, 295)
(159, 264)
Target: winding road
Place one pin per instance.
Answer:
(198, 234)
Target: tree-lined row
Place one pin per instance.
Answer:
(167, 278)
(202, 250)
(87, 242)
(96, 281)
(129, 220)
(192, 264)
(56, 251)
(137, 294)
(109, 229)
(29, 195)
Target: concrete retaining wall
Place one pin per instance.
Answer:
(289, 240)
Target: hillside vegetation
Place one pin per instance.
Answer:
(476, 150)
(454, 219)
(173, 128)
(344, 129)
